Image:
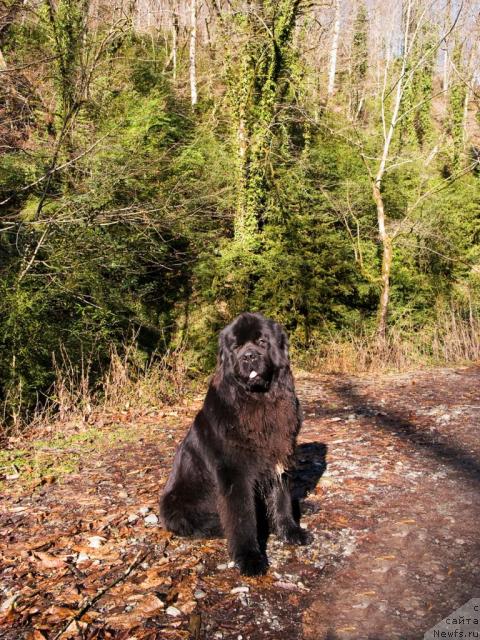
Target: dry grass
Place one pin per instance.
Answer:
(163, 380)
(452, 340)
(128, 383)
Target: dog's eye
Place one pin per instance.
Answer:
(262, 342)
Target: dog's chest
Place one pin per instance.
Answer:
(268, 430)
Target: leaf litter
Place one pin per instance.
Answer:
(391, 496)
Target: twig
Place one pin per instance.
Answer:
(33, 256)
(26, 66)
(56, 168)
(446, 183)
(410, 73)
(139, 558)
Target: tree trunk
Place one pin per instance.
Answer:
(445, 68)
(465, 117)
(445, 61)
(256, 91)
(174, 45)
(470, 72)
(243, 231)
(385, 239)
(334, 49)
(387, 255)
(258, 77)
(193, 52)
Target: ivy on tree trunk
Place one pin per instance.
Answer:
(253, 99)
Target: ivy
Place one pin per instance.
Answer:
(359, 57)
(456, 110)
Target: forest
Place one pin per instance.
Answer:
(166, 164)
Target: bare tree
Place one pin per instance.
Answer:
(174, 44)
(334, 48)
(193, 52)
(445, 53)
(415, 18)
(389, 129)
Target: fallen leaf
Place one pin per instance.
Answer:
(154, 580)
(75, 629)
(188, 607)
(149, 605)
(288, 586)
(146, 607)
(7, 609)
(36, 634)
(70, 596)
(407, 521)
(55, 614)
(48, 561)
(194, 625)
(17, 509)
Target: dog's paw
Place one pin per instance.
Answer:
(180, 526)
(252, 563)
(297, 535)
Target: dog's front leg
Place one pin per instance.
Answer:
(237, 514)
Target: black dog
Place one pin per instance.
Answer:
(230, 474)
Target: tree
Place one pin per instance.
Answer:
(124, 207)
(257, 84)
(193, 52)
(334, 48)
(457, 107)
(263, 62)
(377, 177)
(359, 57)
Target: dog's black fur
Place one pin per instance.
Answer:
(230, 473)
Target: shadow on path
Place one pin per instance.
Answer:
(420, 558)
(393, 421)
(311, 464)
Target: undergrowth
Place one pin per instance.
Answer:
(36, 462)
(128, 382)
(132, 385)
(452, 340)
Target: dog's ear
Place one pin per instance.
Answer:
(223, 359)
(280, 347)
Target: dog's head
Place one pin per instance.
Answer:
(253, 349)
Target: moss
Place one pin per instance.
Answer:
(50, 459)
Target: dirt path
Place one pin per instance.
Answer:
(389, 469)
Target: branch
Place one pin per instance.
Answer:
(466, 82)
(425, 56)
(55, 169)
(34, 254)
(447, 182)
(89, 602)
(20, 67)
(419, 104)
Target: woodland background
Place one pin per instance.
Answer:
(165, 165)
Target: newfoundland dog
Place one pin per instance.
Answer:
(230, 475)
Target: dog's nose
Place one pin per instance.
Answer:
(250, 356)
